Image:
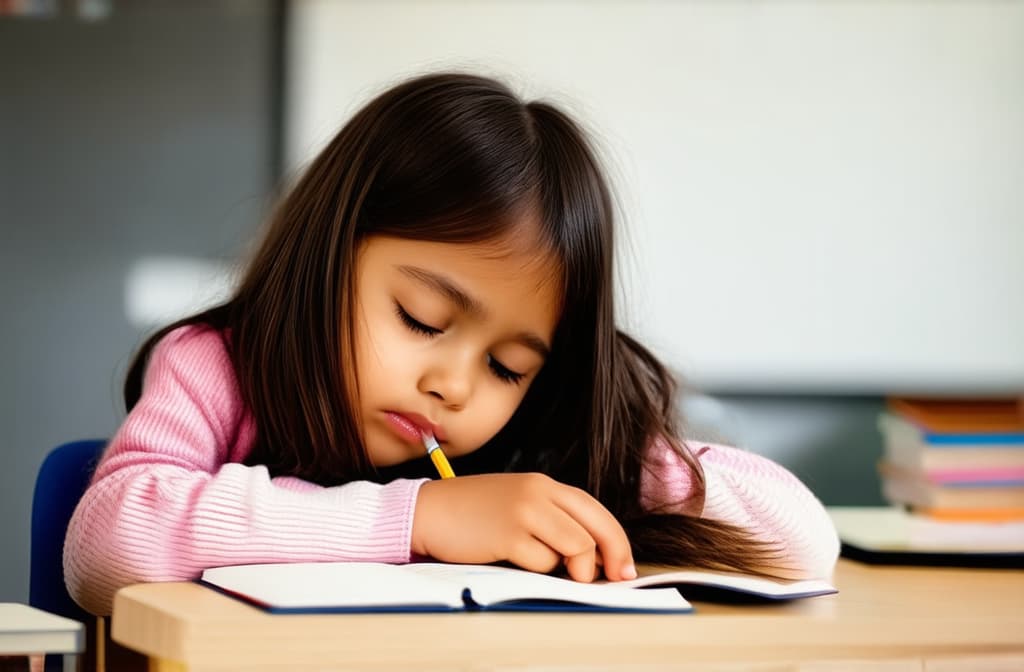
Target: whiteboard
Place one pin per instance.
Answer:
(815, 197)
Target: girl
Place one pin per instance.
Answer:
(443, 266)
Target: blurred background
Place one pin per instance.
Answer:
(821, 201)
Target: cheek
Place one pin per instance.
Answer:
(490, 412)
(378, 352)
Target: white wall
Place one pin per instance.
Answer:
(818, 196)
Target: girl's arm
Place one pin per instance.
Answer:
(169, 497)
(751, 492)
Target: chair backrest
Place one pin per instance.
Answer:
(62, 479)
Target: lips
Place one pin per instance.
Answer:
(416, 421)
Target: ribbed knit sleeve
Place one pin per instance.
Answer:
(749, 491)
(170, 498)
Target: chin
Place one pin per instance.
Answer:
(391, 454)
(389, 458)
(388, 462)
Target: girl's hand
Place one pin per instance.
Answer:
(529, 520)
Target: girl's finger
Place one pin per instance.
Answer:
(564, 535)
(601, 525)
(534, 555)
(582, 567)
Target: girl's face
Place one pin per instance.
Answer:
(448, 339)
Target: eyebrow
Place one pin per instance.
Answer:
(468, 304)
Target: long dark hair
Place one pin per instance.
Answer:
(457, 158)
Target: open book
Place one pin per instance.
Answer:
(378, 587)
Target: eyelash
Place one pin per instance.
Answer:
(504, 374)
(500, 371)
(414, 324)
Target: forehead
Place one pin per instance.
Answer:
(510, 278)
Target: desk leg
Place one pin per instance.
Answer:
(70, 662)
(101, 644)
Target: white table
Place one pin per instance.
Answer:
(25, 630)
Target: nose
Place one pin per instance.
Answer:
(450, 380)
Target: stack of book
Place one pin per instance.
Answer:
(954, 460)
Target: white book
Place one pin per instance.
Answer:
(372, 587)
(894, 530)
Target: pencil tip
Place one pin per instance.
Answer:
(429, 442)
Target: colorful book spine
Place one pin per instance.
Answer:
(955, 459)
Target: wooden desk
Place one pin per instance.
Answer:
(889, 618)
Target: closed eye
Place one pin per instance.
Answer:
(499, 370)
(504, 373)
(415, 325)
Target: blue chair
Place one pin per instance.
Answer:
(62, 479)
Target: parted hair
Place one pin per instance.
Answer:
(458, 158)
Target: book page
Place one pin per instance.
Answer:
(493, 586)
(741, 583)
(335, 585)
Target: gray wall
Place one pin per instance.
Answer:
(832, 443)
(155, 132)
(151, 132)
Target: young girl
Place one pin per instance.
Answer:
(443, 267)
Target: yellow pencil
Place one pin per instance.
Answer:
(437, 456)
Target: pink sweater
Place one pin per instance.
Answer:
(171, 497)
